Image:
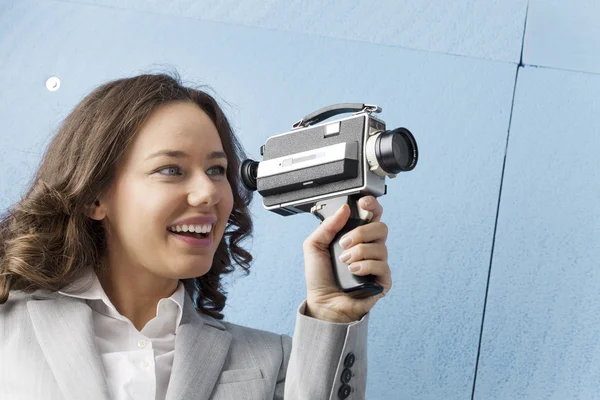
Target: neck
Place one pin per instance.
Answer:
(135, 292)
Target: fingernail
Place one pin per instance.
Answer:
(345, 256)
(339, 211)
(367, 201)
(354, 267)
(345, 242)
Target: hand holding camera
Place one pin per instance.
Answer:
(363, 247)
(320, 167)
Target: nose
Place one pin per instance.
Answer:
(203, 192)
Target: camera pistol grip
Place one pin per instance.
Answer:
(353, 285)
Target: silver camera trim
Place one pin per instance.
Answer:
(307, 159)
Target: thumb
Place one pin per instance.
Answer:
(322, 237)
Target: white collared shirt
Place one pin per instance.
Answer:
(137, 364)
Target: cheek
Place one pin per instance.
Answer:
(139, 214)
(229, 202)
(226, 204)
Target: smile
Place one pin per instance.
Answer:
(196, 236)
(192, 230)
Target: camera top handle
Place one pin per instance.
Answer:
(332, 110)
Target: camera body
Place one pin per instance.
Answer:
(311, 163)
(319, 166)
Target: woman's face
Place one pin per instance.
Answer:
(174, 171)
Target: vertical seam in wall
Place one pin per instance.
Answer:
(487, 286)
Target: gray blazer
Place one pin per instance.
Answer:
(47, 352)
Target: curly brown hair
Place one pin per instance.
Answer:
(47, 238)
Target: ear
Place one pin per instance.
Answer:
(97, 211)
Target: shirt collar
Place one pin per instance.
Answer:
(88, 287)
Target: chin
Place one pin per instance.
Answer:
(193, 271)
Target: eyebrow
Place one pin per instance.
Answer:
(182, 154)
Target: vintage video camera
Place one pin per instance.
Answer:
(316, 167)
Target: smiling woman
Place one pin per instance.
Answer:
(111, 265)
(147, 124)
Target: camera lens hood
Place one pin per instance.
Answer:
(396, 151)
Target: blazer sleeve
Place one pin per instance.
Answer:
(324, 360)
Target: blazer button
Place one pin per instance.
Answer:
(344, 392)
(349, 361)
(346, 375)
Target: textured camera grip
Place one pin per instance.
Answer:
(354, 285)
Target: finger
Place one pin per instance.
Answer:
(365, 251)
(322, 237)
(380, 269)
(370, 203)
(373, 232)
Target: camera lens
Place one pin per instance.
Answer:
(396, 151)
(248, 172)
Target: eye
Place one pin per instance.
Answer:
(219, 168)
(170, 170)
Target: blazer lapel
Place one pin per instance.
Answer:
(65, 332)
(201, 347)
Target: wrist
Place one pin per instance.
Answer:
(326, 314)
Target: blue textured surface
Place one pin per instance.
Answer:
(424, 335)
(563, 34)
(490, 29)
(541, 331)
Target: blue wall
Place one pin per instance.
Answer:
(493, 237)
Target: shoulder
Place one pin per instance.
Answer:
(14, 313)
(16, 303)
(15, 310)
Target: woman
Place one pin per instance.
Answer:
(111, 265)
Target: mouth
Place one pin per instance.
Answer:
(192, 231)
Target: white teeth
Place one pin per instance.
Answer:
(191, 228)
